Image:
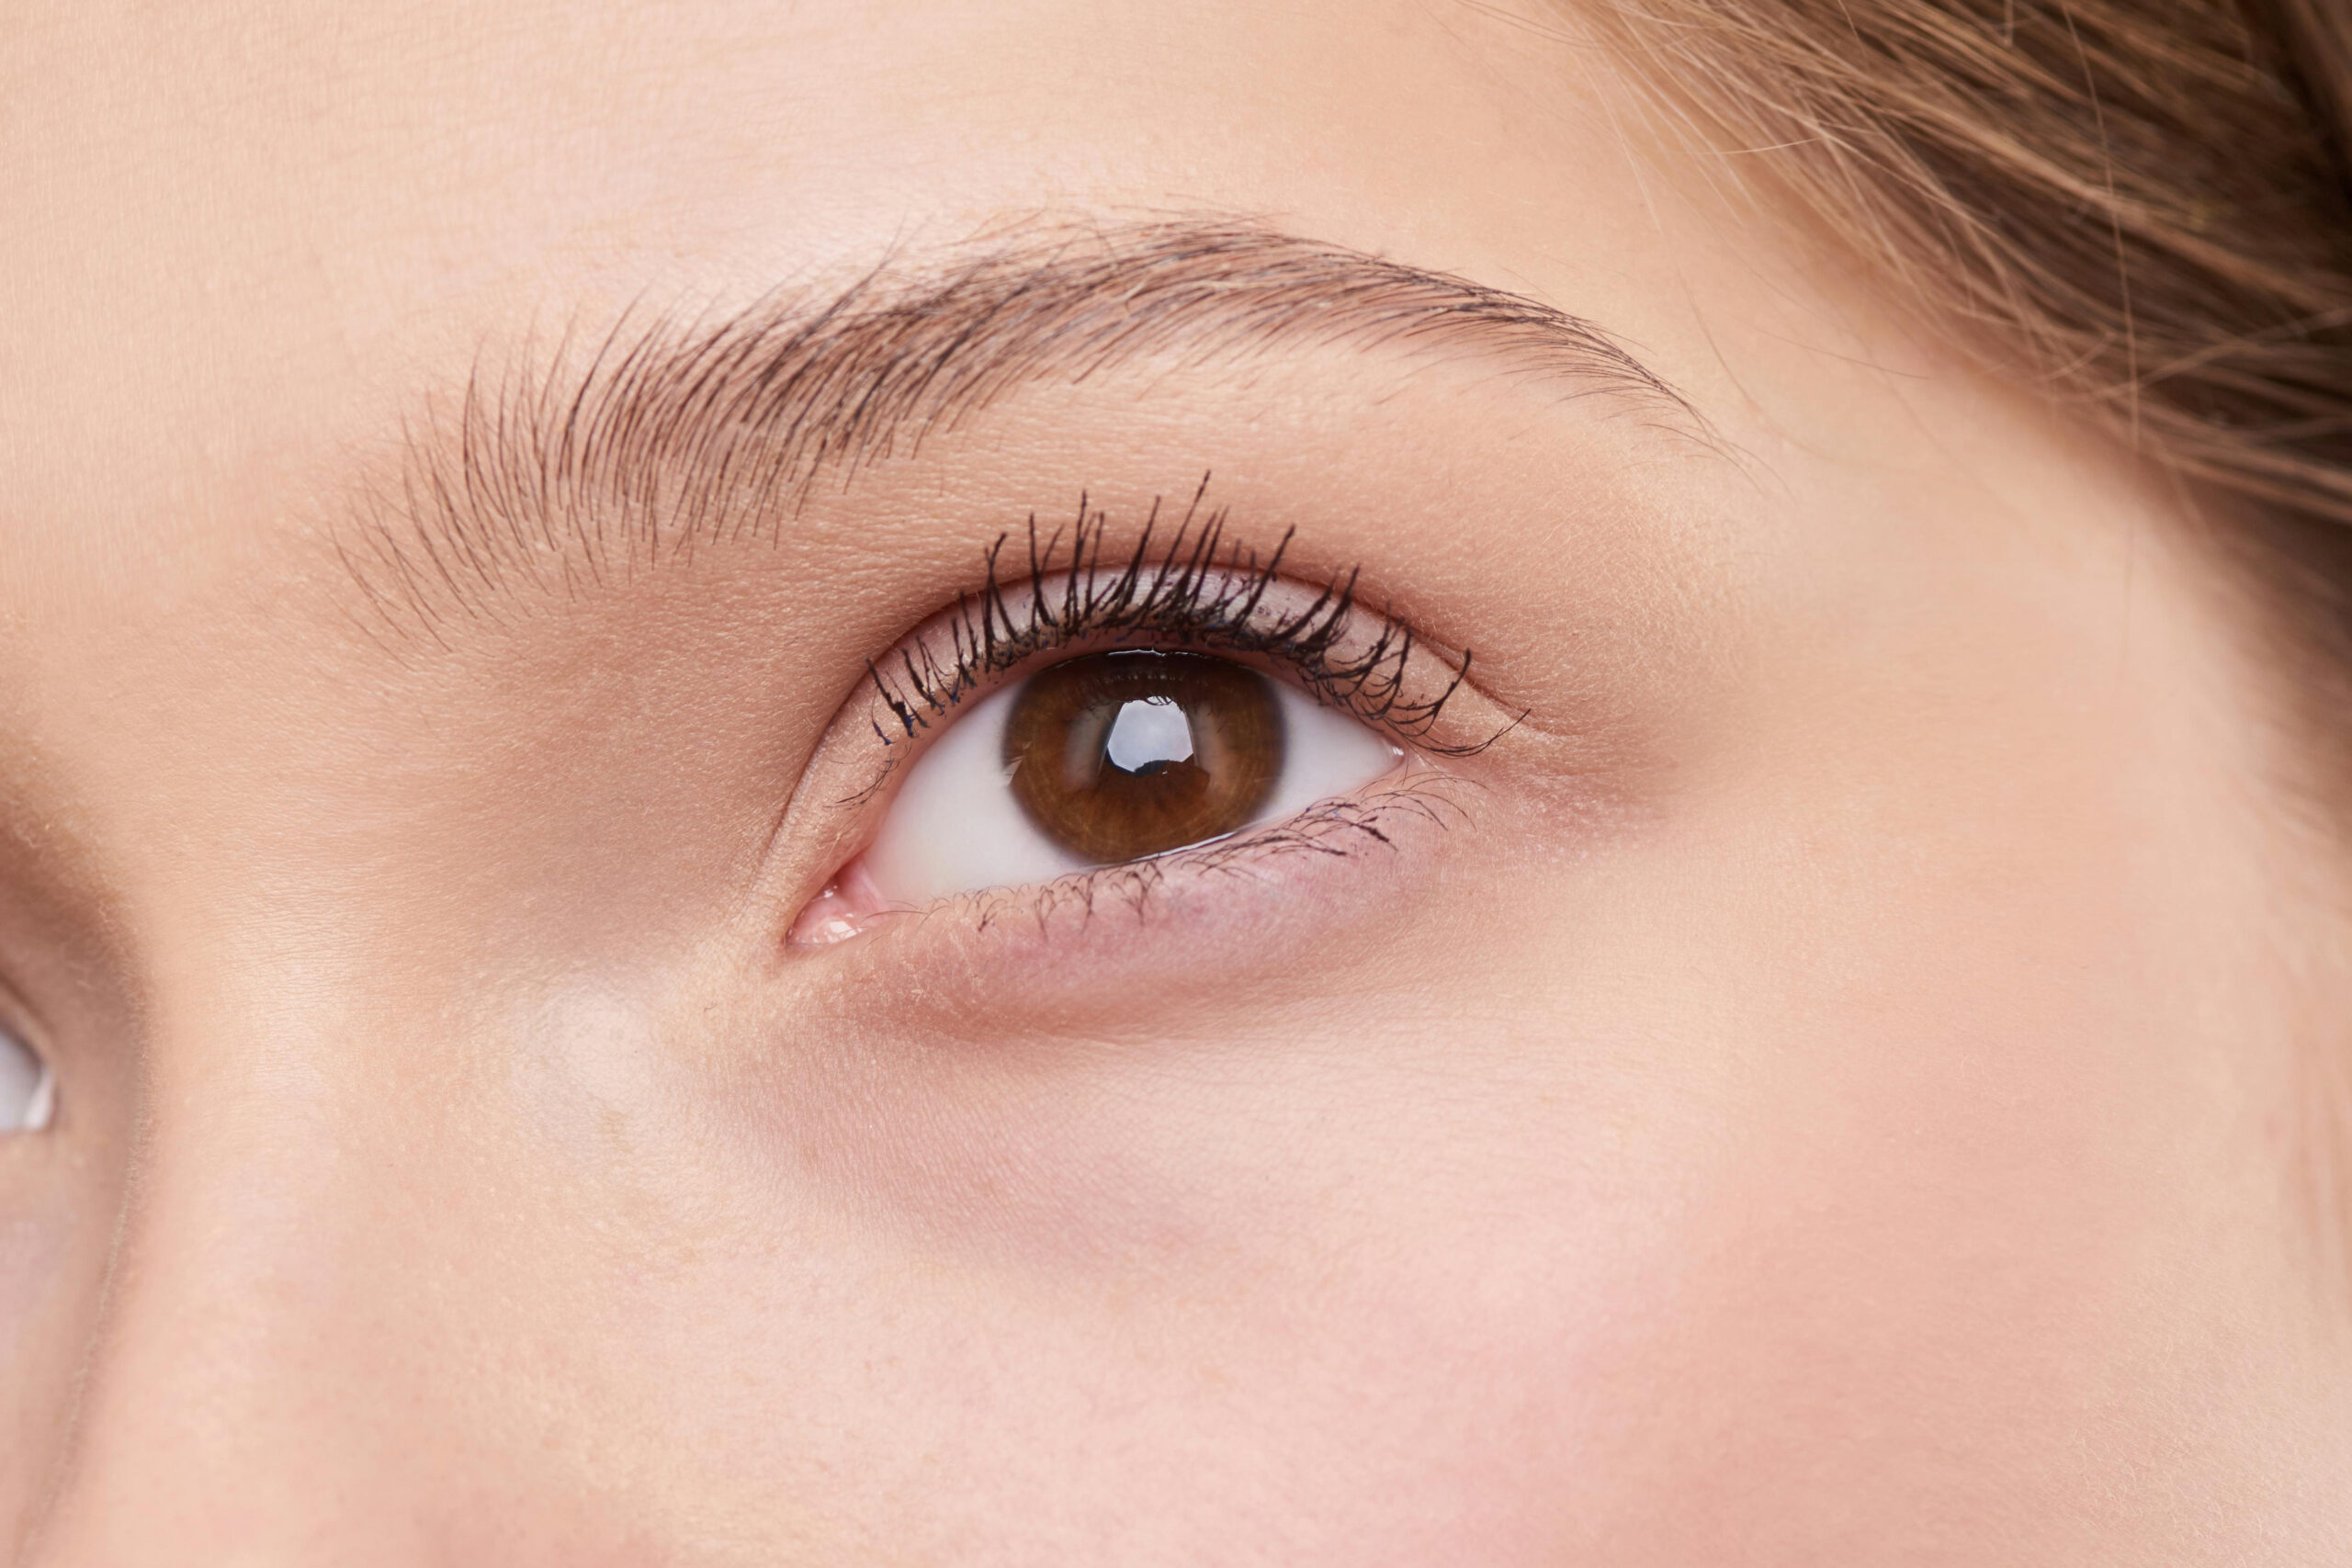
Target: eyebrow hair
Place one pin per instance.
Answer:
(675, 429)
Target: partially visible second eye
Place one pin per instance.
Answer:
(27, 1089)
(1109, 758)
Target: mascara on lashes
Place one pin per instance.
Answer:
(1194, 589)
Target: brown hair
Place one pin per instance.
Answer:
(2145, 205)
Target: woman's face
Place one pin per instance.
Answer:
(1804, 1056)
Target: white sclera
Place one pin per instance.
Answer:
(955, 826)
(25, 1086)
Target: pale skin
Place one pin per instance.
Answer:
(1836, 1087)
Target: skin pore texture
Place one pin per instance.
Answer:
(1831, 1082)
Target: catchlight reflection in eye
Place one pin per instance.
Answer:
(1108, 758)
(27, 1090)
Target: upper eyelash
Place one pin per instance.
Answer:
(1192, 590)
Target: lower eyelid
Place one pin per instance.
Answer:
(1219, 909)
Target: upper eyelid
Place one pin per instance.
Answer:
(1190, 583)
(1389, 676)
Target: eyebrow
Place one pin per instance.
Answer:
(675, 429)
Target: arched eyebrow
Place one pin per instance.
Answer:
(673, 432)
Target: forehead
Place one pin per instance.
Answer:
(242, 235)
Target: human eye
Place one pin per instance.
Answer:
(1181, 701)
(1110, 758)
(28, 1089)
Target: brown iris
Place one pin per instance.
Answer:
(1121, 755)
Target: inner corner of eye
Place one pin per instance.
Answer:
(1095, 761)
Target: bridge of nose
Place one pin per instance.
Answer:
(363, 1301)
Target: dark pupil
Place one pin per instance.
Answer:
(1121, 755)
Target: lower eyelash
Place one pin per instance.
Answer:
(1189, 590)
(1347, 826)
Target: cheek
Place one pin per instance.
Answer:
(53, 1240)
(1651, 1226)
(1979, 1217)
(1354, 1284)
